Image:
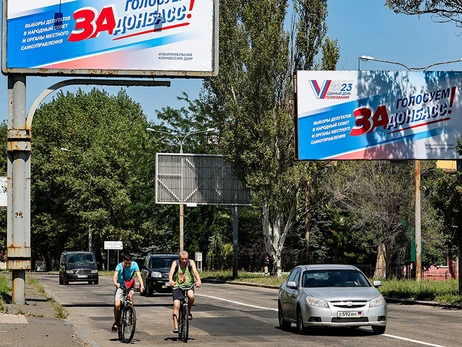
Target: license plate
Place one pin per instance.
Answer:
(82, 276)
(349, 314)
(167, 284)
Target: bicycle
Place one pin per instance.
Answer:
(183, 315)
(127, 318)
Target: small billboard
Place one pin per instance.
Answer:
(394, 115)
(113, 245)
(142, 38)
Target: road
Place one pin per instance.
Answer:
(244, 316)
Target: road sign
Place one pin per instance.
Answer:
(117, 245)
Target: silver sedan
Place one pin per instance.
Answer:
(330, 296)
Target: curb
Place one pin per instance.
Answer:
(421, 302)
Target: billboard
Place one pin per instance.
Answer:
(3, 192)
(142, 38)
(198, 179)
(342, 115)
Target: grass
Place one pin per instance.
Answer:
(4, 291)
(60, 311)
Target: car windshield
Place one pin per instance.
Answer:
(334, 278)
(158, 263)
(81, 258)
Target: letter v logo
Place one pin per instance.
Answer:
(320, 92)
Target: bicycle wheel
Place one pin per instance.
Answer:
(119, 328)
(186, 322)
(128, 324)
(180, 322)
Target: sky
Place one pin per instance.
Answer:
(362, 27)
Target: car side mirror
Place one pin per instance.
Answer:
(377, 284)
(292, 284)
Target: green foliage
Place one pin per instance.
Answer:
(4, 290)
(441, 291)
(441, 11)
(104, 183)
(4, 287)
(251, 101)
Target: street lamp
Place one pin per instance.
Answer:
(181, 139)
(418, 231)
(366, 58)
(89, 224)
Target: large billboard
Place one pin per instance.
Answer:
(171, 38)
(342, 115)
(198, 179)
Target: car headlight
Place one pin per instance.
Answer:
(378, 301)
(312, 301)
(70, 271)
(156, 274)
(94, 271)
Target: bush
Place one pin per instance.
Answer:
(4, 290)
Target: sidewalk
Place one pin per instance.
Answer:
(34, 324)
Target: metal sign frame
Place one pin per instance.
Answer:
(117, 38)
(202, 179)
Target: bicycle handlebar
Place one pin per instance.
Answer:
(189, 288)
(125, 289)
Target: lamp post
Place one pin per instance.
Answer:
(181, 140)
(417, 206)
(89, 224)
(366, 58)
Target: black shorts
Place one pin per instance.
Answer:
(177, 294)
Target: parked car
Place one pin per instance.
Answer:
(78, 267)
(330, 296)
(154, 272)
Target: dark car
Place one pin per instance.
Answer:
(78, 267)
(154, 272)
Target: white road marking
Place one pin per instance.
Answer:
(237, 303)
(411, 340)
(274, 309)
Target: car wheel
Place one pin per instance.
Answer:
(96, 282)
(300, 328)
(61, 282)
(148, 289)
(378, 330)
(283, 324)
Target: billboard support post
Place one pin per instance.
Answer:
(18, 209)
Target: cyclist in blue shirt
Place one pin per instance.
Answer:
(124, 276)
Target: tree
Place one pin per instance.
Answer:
(251, 101)
(103, 186)
(442, 11)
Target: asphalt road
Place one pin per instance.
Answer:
(243, 316)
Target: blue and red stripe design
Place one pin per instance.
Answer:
(320, 91)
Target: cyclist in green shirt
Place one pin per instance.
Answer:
(183, 273)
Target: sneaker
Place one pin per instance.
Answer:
(175, 330)
(190, 316)
(114, 327)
